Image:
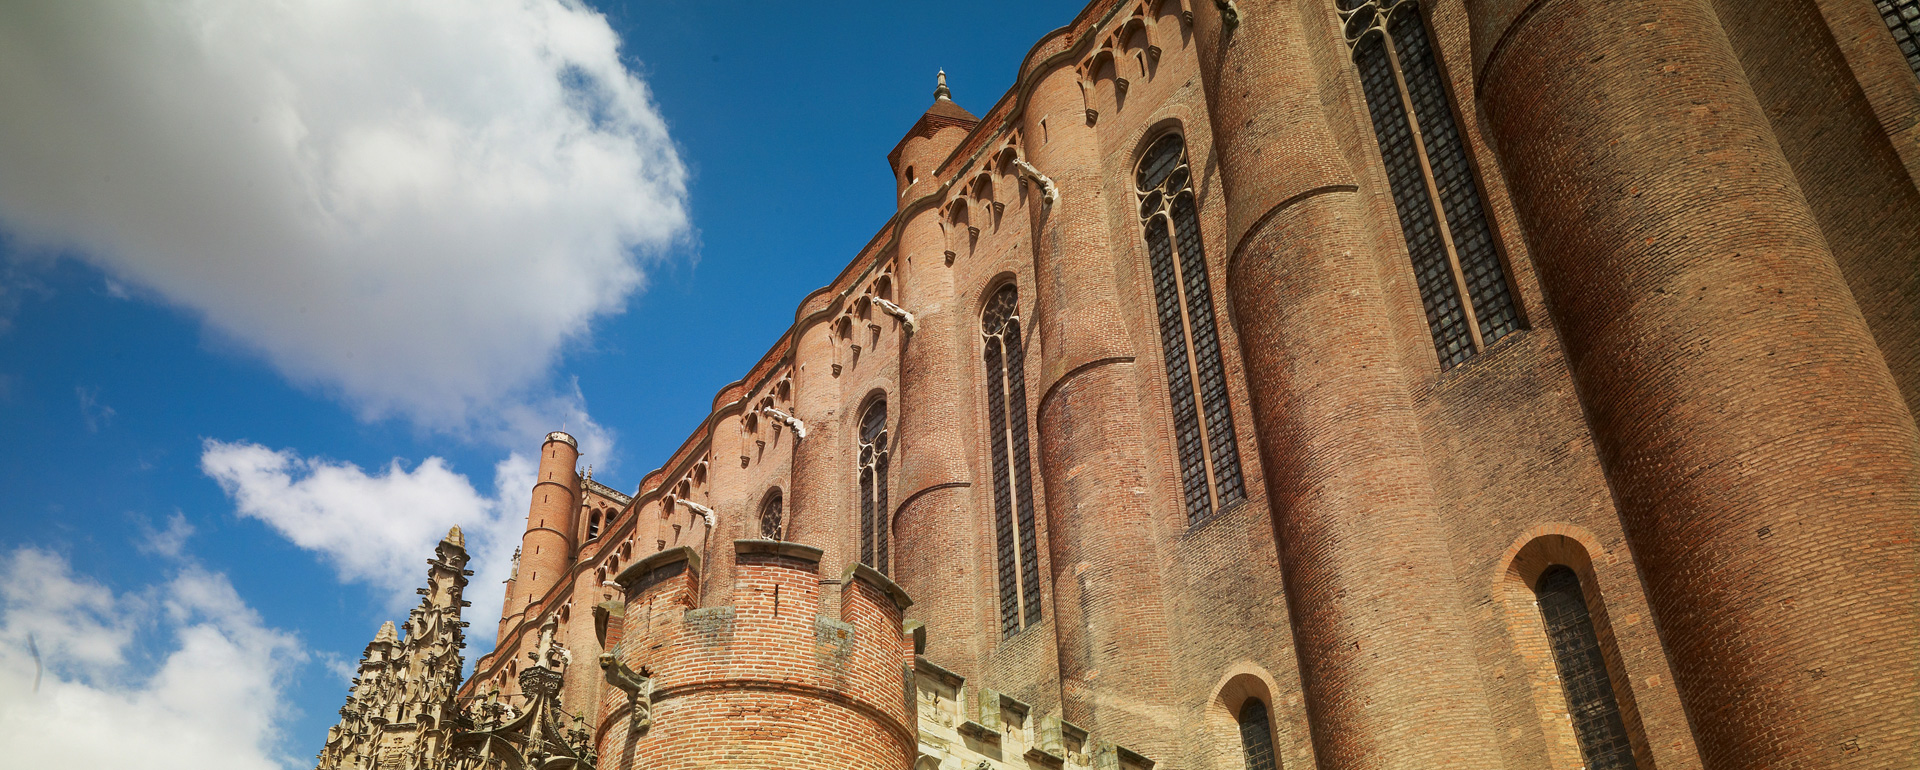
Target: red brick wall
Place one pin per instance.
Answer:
(1762, 459)
(1737, 469)
(767, 682)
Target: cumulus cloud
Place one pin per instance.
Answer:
(211, 702)
(410, 203)
(378, 528)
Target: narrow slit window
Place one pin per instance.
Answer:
(1456, 263)
(873, 487)
(770, 512)
(1190, 340)
(1256, 736)
(1013, 511)
(1591, 704)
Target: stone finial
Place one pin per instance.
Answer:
(940, 88)
(387, 634)
(455, 537)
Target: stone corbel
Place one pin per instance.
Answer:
(1048, 193)
(799, 428)
(896, 311)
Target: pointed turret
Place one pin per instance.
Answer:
(932, 138)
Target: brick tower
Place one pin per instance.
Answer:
(546, 549)
(786, 677)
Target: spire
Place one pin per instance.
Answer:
(940, 91)
(387, 633)
(455, 537)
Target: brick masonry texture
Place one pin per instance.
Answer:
(1707, 215)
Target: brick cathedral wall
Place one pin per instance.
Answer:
(1157, 622)
(1860, 193)
(1751, 431)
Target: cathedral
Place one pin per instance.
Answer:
(1517, 384)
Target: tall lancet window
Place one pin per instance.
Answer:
(1202, 417)
(1019, 562)
(1583, 671)
(1434, 190)
(873, 487)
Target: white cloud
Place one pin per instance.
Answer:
(210, 703)
(170, 543)
(93, 414)
(378, 529)
(411, 203)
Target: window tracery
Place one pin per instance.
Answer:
(873, 486)
(1456, 263)
(1013, 508)
(1190, 340)
(770, 513)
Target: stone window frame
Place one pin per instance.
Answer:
(873, 460)
(773, 502)
(1461, 269)
(1205, 439)
(1015, 525)
(1533, 554)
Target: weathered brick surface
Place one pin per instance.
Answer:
(768, 681)
(1764, 464)
(1854, 182)
(1717, 445)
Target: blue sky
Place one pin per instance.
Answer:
(275, 309)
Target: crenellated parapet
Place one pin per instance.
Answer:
(798, 671)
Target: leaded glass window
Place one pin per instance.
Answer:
(1903, 20)
(1435, 194)
(1583, 671)
(770, 516)
(1196, 380)
(873, 487)
(1256, 736)
(1013, 517)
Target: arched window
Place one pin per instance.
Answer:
(593, 525)
(1434, 190)
(1013, 525)
(1256, 736)
(770, 516)
(1202, 418)
(873, 487)
(1591, 705)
